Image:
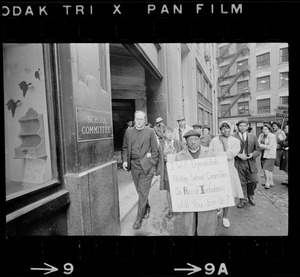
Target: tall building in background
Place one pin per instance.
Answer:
(253, 81)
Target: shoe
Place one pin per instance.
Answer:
(251, 201)
(226, 223)
(272, 185)
(137, 224)
(267, 187)
(147, 212)
(242, 204)
(169, 215)
(263, 184)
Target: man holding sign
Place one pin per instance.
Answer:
(197, 188)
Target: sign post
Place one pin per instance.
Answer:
(282, 112)
(200, 184)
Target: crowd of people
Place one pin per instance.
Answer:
(147, 149)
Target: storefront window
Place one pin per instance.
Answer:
(28, 157)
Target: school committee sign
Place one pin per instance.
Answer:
(200, 184)
(93, 125)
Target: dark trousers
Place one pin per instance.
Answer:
(247, 178)
(142, 184)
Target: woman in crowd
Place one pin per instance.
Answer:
(225, 144)
(267, 143)
(285, 152)
(168, 146)
(280, 136)
(206, 137)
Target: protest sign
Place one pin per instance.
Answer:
(282, 111)
(200, 184)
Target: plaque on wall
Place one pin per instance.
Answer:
(93, 125)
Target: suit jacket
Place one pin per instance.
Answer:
(185, 154)
(253, 147)
(148, 145)
(176, 133)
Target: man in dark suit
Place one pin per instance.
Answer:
(245, 162)
(140, 156)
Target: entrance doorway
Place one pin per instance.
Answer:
(123, 111)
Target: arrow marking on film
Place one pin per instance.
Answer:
(50, 269)
(193, 270)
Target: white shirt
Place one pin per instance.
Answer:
(244, 138)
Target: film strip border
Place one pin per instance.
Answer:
(144, 21)
(151, 256)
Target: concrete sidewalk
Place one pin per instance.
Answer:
(268, 218)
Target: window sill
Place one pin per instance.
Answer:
(263, 67)
(32, 190)
(41, 208)
(263, 90)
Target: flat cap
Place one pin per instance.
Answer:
(191, 133)
(242, 121)
(159, 119)
(181, 117)
(197, 125)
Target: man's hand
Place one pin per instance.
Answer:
(242, 156)
(250, 156)
(125, 166)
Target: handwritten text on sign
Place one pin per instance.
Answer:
(282, 111)
(200, 184)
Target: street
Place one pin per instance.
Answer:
(269, 217)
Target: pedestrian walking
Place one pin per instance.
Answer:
(197, 127)
(284, 161)
(195, 223)
(207, 137)
(181, 130)
(204, 140)
(140, 155)
(280, 136)
(225, 144)
(268, 144)
(159, 129)
(169, 146)
(245, 162)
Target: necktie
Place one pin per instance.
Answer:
(243, 144)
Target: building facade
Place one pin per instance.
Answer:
(66, 109)
(253, 81)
